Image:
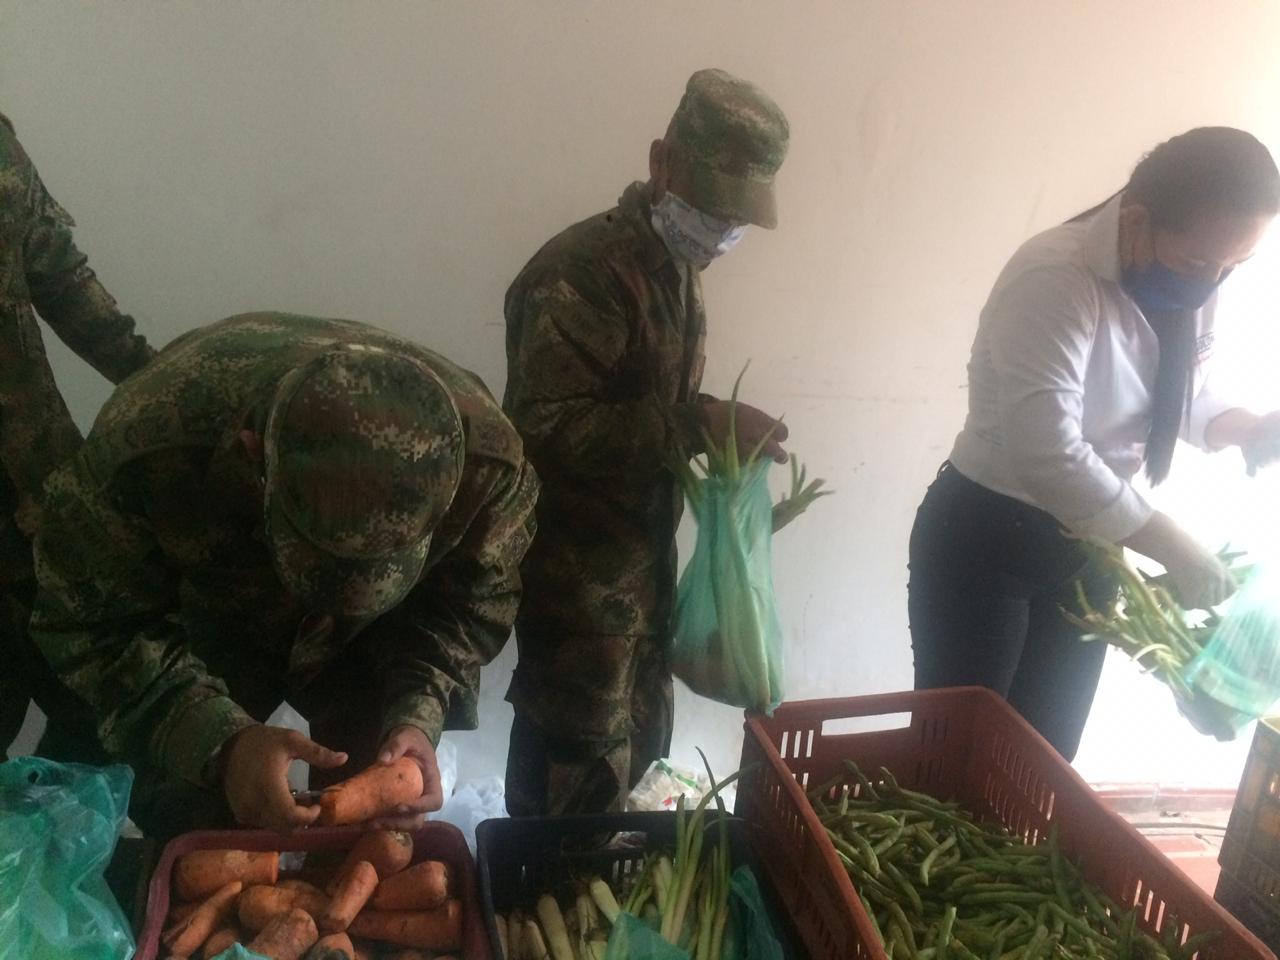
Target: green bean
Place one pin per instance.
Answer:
(929, 861)
(904, 925)
(1055, 865)
(944, 932)
(1039, 944)
(905, 885)
(868, 790)
(1011, 897)
(888, 842)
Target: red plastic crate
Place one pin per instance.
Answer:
(433, 841)
(967, 745)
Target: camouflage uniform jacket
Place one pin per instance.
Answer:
(605, 336)
(157, 590)
(40, 267)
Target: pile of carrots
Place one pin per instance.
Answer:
(374, 901)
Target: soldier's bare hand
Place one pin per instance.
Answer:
(409, 741)
(751, 427)
(255, 776)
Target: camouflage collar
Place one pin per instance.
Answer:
(635, 208)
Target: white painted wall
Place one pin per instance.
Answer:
(398, 161)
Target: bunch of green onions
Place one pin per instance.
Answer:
(724, 465)
(1147, 623)
(684, 895)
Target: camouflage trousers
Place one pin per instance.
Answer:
(592, 713)
(70, 734)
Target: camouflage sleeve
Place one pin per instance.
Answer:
(70, 298)
(105, 619)
(575, 402)
(459, 618)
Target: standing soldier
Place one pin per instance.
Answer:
(282, 507)
(41, 268)
(605, 330)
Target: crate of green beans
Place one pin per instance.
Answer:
(937, 825)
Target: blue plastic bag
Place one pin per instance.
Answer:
(728, 638)
(58, 829)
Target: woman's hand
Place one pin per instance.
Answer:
(1200, 580)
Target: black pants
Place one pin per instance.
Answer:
(990, 578)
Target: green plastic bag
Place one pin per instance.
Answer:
(238, 952)
(1240, 665)
(728, 638)
(633, 939)
(749, 933)
(58, 829)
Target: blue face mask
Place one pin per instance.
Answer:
(1157, 289)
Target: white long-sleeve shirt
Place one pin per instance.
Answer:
(1060, 382)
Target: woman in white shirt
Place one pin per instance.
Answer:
(1089, 362)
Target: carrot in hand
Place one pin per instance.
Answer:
(260, 905)
(371, 793)
(421, 887)
(287, 937)
(388, 850)
(201, 872)
(221, 940)
(354, 888)
(439, 929)
(184, 938)
(180, 911)
(336, 946)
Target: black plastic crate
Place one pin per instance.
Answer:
(521, 858)
(1251, 848)
(1259, 915)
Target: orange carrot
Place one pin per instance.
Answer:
(355, 887)
(201, 872)
(225, 936)
(371, 793)
(260, 905)
(421, 887)
(336, 946)
(439, 929)
(314, 874)
(180, 911)
(287, 937)
(388, 850)
(300, 886)
(185, 937)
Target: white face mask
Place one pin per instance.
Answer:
(691, 234)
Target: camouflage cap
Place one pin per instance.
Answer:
(364, 451)
(733, 139)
